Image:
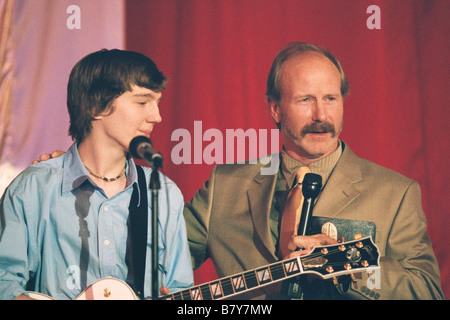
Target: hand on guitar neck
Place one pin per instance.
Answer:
(306, 243)
(164, 291)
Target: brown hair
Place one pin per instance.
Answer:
(102, 76)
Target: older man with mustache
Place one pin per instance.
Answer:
(236, 218)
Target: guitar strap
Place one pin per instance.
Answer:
(137, 231)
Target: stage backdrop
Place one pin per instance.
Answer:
(41, 40)
(217, 55)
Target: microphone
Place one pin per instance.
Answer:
(311, 185)
(141, 148)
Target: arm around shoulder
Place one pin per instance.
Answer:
(197, 214)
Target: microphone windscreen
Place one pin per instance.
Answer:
(134, 146)
(311, 185)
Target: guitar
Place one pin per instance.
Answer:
(102, 289)
(328, 261)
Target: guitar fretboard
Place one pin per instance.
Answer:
(327, 261)
(238, 283)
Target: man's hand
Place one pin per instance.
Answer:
(46, 156)
(164, 291)
(307, 243)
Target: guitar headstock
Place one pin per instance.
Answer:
(343, 258)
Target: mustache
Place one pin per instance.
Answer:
(316, 127)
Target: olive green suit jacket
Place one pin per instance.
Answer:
(228, 220)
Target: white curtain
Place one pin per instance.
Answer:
(40, 41)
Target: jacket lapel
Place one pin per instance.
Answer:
(260, 196)
(340, 189)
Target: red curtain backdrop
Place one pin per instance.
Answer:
(217, 55)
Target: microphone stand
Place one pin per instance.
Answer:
(155, 186)
(141, 148)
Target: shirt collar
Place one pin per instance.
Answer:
(75, 173)
(323, 167)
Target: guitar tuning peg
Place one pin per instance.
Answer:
(335, 281)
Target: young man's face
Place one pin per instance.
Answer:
(135, 113)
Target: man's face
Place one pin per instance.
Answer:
(135, 113)
(310, 112)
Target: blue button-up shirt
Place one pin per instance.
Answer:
(59, 232)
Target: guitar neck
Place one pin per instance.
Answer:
(239, 283)
(327, 261)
